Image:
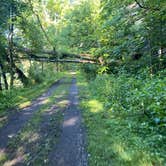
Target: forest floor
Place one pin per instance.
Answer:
(48, 132)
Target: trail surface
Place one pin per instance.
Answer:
(57, 140)
(18, 120)
(70, 149)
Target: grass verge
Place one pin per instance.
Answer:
(118, 138)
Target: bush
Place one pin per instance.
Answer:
(90, 71)
(132, 94)
(129, 119)
(36, 74)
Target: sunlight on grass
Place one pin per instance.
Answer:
(144, 162)
(3, 156)
(112, 138)
(46, 101)
(25, 104)
(63, 103)
(120, 149)
(21, 97)
(13, 162)
(95, 106)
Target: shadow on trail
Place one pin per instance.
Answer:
(33, 143)
(19, 119)
(70, 149)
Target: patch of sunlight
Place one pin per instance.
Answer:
(125, 155)
(3, 155)
(95, 106)
(21, 97)
(63, 102)
(13, 162)
(34, 137)
(70, 122)
(18, 83)
(145, 163)
(46, 101)
(58, 96)
(3, 118)
(72, 73)
(145, 159)
(25, 104)
(82, 83)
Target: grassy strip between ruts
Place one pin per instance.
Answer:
(114, 139)
(20, 98)
(34, 142)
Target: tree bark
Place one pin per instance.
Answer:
(21, 76)
(4, 76)
(53, 54)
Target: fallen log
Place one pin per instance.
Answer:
(54, 54)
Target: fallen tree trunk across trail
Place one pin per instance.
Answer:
(54, 56)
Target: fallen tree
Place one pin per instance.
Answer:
(53, 54)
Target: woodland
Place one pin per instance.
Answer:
(117, 50)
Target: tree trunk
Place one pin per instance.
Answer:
(4, 76)
(20, 73)
(21, 76)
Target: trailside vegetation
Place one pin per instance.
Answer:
(125, 119)
(119, 47)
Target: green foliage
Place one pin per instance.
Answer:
(36, 74)
(139, 94)
(7, 100)
(90, 71)
(125, 119)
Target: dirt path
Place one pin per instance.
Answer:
(70, 149)
(58, 139)
(18, 120)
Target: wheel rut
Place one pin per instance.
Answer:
(70, 150)
(19, 119)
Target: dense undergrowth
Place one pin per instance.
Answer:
(125, 119)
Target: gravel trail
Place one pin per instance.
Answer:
(19, 119)
(70, 150)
